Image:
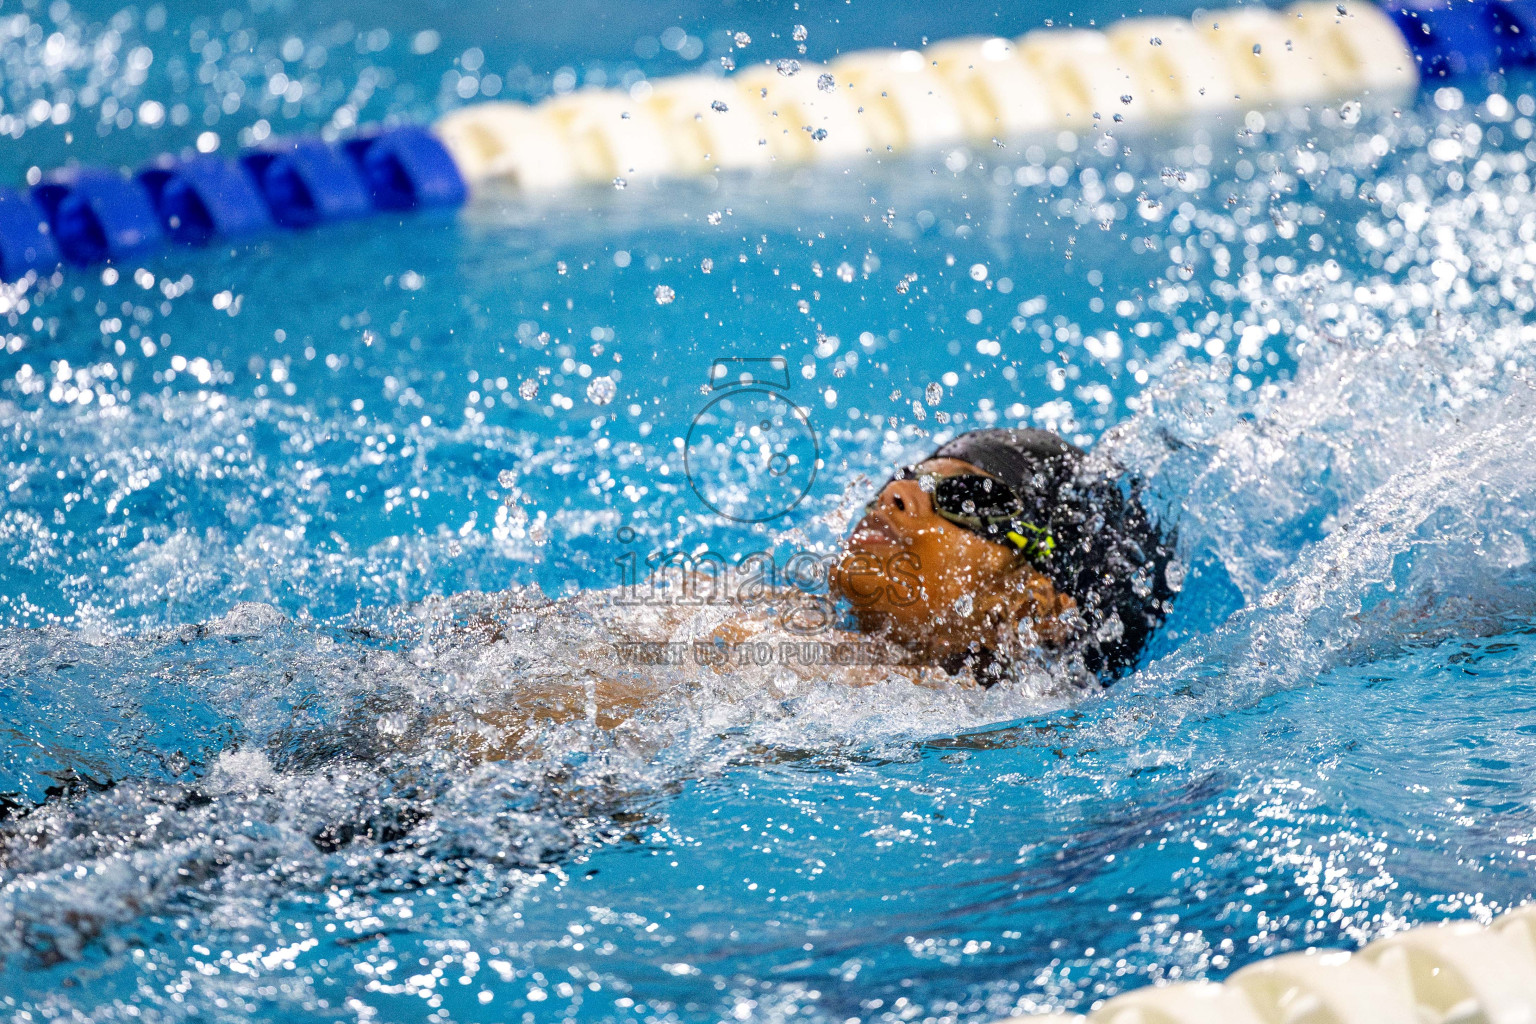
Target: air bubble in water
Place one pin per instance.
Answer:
(620, 183)
(719, 105)
(978, 272)
(706, 264)
(1257, 48)
(1126, 98)
(845, 273)
(933, 392)
(1349, 112)
(664, 294)
(714, 217)
(826, 83)
(788, 67)
(964, 604)
(727, 63)
(819, 134)
(507, 478)
(528, 390)
(741, 39)
(1174, 574)
(799, 33)
(601, 390)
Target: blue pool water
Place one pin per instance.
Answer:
(258, 505)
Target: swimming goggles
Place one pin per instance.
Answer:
(986, 506)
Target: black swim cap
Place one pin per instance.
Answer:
(1108, 555)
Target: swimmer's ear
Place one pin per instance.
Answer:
(1049, 612)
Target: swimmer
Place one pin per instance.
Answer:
(1003, 548)
(1003, 543)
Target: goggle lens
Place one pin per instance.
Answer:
(971, 495)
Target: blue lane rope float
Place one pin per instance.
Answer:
(1468, 37)
(98, 215)
(26, 245)
(203, 197)
(407, 168)
(866, 102)
(306, 182)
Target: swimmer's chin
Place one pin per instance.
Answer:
(894, 626)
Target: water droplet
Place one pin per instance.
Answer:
(1141, 582)
(1257, 48)
(819, 134)
(511, 516)
(1110, 630)
(1126, 99)
(788, 67)
(741, 39)
(1156, 41)
(528, 390)
(620, 183)
(664, 294)
(719, 106)
(799, 34)
(933, 392)
(601, 390)
(826, 83)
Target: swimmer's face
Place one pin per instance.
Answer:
(928, 584)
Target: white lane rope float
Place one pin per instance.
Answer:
(1457, 972)
(976, 90)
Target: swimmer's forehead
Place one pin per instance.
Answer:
(948, 467)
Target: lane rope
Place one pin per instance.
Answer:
(859, 106)
(1453, 973)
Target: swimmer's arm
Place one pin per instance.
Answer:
(875, 662)
(512, 730)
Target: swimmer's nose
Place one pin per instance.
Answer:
(905, 496)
